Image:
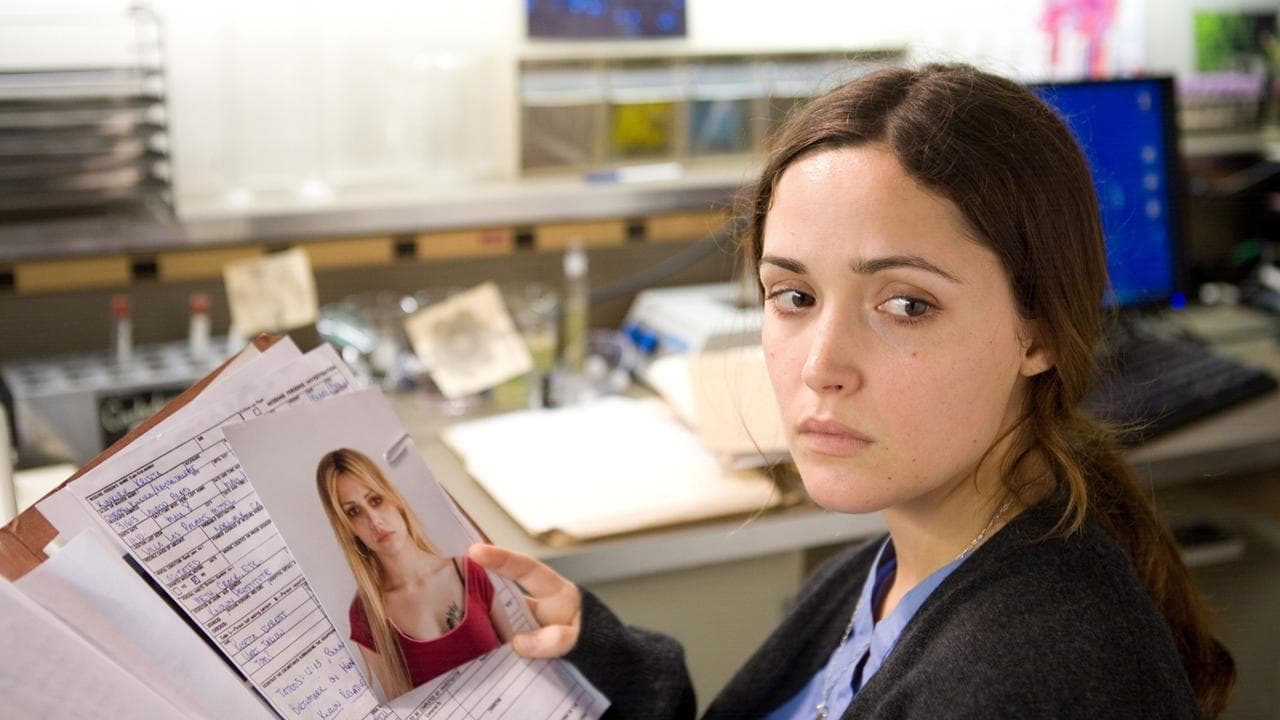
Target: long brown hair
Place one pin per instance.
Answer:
(365, 566)
(1014, 170)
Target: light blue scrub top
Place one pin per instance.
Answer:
(868, 645)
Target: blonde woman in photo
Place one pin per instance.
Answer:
(416, 614)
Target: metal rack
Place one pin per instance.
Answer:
(87, 138)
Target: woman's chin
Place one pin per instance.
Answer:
(843, 505)
(843, 494)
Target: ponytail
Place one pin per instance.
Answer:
(1102, 486)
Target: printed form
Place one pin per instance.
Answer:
(181, 504)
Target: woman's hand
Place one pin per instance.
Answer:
(555, 601)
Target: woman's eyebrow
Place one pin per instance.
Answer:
(874, 265)
(785, 263)
(867, 267)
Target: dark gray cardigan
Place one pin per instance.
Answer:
(1025, 628)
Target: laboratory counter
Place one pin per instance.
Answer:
(1242, 441)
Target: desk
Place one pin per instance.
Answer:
(1241, 441)
(721, 586)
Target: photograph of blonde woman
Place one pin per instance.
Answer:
(417, 613)
(407, 620)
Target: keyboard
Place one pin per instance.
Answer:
(1149, 386)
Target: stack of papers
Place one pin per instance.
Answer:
(725, 396)
(190, 570)
(610, 466)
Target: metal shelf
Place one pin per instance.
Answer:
(90, 139)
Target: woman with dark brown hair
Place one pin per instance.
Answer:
(929, 249)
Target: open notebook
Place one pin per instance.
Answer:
(614, 465)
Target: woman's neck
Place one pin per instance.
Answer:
(931, 533)
(936, 529)
(939, 528)
(407, 567)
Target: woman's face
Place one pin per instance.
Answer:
(891, 336)
(376, 521)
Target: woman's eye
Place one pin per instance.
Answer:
(375, 501)
(352, 512)
(791, 299)
(906, 307)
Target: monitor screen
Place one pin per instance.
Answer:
(602, 19)
(1127, 130)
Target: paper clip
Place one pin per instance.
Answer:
(395, 453)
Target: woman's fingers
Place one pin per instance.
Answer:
(555, 601)
(535, 577)
(552, 641)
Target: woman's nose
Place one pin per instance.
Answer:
(830, 358)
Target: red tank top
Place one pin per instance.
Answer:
(469, 639)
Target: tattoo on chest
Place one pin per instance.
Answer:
(452, 616)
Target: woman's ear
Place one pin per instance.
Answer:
(1036, 358)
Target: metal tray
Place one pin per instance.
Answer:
(80, 84)
(35, 167)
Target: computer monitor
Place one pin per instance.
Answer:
(1128, 131)
(605, 19)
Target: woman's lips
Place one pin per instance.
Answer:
(828, 437)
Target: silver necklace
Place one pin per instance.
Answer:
(823, 708)
(983, 535)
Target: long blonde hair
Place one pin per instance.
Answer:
(365, 566)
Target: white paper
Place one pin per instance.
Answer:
(735, 412)
(505, 685)
(614, 465)
(279, 454)
(469, 342)
(182, 506)
(91, 588)
(71, 517)
(48, 671)
(272, 293)
(725, 396)
(246, 356)
(248, 365)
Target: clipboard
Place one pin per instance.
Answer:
(23, 539)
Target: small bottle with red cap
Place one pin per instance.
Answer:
(198, 330)
(122, 330)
